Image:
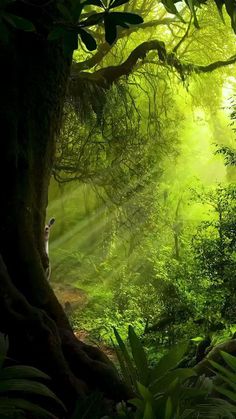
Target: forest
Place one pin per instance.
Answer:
(118, 215)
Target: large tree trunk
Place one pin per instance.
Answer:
(33, 87)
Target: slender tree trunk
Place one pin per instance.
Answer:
(33, 87)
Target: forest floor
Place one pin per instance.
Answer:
(72, 298)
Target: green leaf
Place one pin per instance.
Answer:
(110, 29)
(117, 3)
(124, 370)
(191, 5)
(231, 383)
(137, 403)
(168, 410)
(197, 339)
(148, 411)
(139, 356)
(171, 8)
(163, 383)
(219, 5)
(231, 10)
(88, 40)
(93, 19)
(22, 371)
(223, 370)
(229, 359)
(19, 22)
(70, 42)
(27, 386)
(124, 17)
(126, 356)
(17, 404)
(228, 393)
(169, 360)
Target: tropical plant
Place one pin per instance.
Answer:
(21, 389)
(168, 391)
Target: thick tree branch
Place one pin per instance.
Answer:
(107, 76)
(104, 48)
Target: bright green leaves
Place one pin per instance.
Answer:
(193, 5)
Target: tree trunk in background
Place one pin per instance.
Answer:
(33, 86)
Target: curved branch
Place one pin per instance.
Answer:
(104, 48)
(105, 77)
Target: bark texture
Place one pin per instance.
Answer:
(33, 86)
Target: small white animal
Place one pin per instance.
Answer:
(47, 229)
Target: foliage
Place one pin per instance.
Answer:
(69, 22)
(166, 391)
(22, 391)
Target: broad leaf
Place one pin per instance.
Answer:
(27, 386)
(124, 17)
(191, 6)
(88, 40)
(110, 29)
(169, 360)
(70, 42)
(17, 404)
(139, 356)
(228, 393)
(162, 385)
(171, 8)
(124, 369)
(168, 411)
(219, 5)
(22, 371)
(229, 359)
(126, 356)
(223, 370)
(92, 20)
(148, 411)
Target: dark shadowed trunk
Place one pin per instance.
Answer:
(33, 86)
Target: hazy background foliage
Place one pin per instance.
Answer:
(146, 230)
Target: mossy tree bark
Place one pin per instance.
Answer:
(33, 86)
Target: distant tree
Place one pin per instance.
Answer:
(214, 247)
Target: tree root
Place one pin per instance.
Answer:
(35, 339)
